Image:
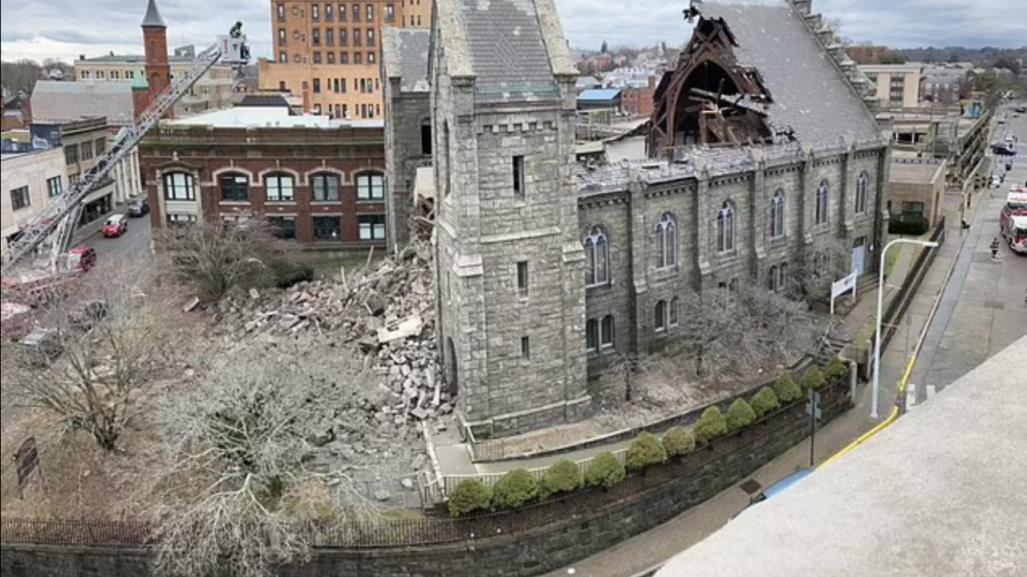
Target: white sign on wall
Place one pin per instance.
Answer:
(840, 287)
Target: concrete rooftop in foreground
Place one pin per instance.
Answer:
(942, 492)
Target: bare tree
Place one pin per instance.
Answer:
(213, 257)
(725, 332)
(810, 278)
(94, 352)
(236, 470)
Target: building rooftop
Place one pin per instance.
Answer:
(600, 95)
(940, 492)
(916, 170)
(267, 117)
(810, 93)
(506, 49)
(62, 101)
(405, 51)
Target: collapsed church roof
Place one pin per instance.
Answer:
(757, 74)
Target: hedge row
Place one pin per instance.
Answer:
(519, 487)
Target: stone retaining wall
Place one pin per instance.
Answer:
(601, 520)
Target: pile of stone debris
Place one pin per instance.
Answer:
(386, 314)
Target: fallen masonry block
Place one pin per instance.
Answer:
(408, 327)
(192, 304)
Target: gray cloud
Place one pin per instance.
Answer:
(65, 28)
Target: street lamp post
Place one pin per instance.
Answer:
(880, 303)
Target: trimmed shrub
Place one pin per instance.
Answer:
(678, 441)
(836, 369)
(563, 477)
(515, 489)
(764, 401)
(786, 389)
(605, 471)
(710, 426)
(813, 379)
(739, 415)
(645, 451)
(470, 495)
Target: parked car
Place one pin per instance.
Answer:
(81, 258)
(1003, 150)
(139, 208)
(115, 226)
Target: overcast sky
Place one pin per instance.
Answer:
(66, 28)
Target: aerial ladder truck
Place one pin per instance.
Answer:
(60, 218)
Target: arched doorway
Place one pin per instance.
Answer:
(452, 379)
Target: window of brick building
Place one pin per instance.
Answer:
(329, 13)
(179, 186)
(343, 15)
(315, 12)
(372, 226)
(390, 13)
(70, 154)
(343, 37)
(86, 150)
(100, 145)
(330, 37)
(356, 12)
(357, 39)
(370, 12)
(326, 187)
(358, 58)
(234, 187)
(283, 227)
(327, 228)
(331, 57)
(281, 11)
(317, 58)
(370, 36)
(370, 186)
(315, 37)
(282, 36)
(344, 59)
(279, 188)
(370, 57)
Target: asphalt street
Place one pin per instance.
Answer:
(982, 310)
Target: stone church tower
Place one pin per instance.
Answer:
(510, 268)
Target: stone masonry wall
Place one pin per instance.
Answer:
(406, 112)
(600, 520)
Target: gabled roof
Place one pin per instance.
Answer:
(153, 18)
(810, 93)
(405, 54)
(61, 101)
(514, 49)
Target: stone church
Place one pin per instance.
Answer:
(763, 152)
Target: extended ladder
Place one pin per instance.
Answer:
(61, 216)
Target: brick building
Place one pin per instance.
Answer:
(318, 181)
(764, 157)
(329, 53)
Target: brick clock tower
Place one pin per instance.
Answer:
(155, 44)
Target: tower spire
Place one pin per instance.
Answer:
(153, 18)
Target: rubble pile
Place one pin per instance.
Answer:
(385, 314)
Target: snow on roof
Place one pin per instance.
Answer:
(268, 117)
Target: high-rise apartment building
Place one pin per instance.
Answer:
(329, 52)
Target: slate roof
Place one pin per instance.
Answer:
(507, 51)
(153, 18)
(405, 51)
(62, 101)
(811, 94)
